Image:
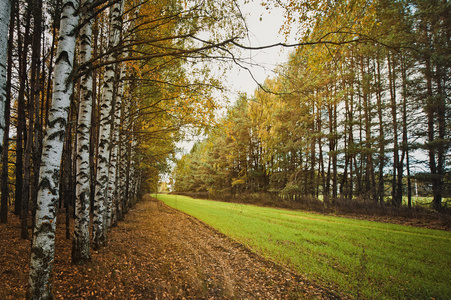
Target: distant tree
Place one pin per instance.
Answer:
(325, 127)
(433, 45)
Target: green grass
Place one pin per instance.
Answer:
(360, 258)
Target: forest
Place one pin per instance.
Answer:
(96, 95)
(358, 115)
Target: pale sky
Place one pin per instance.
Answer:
(262, 32)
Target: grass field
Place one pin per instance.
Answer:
(360, 258)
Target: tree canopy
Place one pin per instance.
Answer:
(358, 112)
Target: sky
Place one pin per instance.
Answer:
(264, 28)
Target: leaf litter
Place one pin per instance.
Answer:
(156, 253)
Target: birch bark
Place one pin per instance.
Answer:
(80, 246)
(116, 213)
(126, 135)
(5, 7)
(121, 180)
(43, 246)
(101, 193)
(7, 115)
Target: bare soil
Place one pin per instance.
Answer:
(156, 253)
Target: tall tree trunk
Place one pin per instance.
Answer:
(442, 139)
(381, 139)
(321, 172)
(430, 132)
(405, 145)
(334, 157)
(80, 243)
(114, 186)
(122, 178)
(21, 126)
(369, 184)
(128, 139)
(93, 134)
(24, 158)
(5, 8)
(310, 188)
(101, 194)
(358, 159)
(396, 201)
(40, 102)
(351, 144)
(33, 100)
(409, 181)
(42, 250)
(56, 25)
(66, 172)
(344, 180)
(133, 171)
(4, 158)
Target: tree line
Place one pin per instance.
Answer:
(358, 116)
(94, 94)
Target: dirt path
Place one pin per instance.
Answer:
(160, 253)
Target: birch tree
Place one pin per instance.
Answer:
(5, 7)
(115, 213)
(43, 245)
(80, 247)
(7, 116)
(99, 234)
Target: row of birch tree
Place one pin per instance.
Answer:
(94, 95)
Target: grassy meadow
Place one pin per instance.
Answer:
(359, 258)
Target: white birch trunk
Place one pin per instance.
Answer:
(113, 187)
(99, 237)
(130, 148)
(111, 213)
(43, 246)
(101, 193)
(5, 7)
(112, 199)
(112, 171)
(80, 243)
(123, 159)
(127, 135)
(133, 169)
